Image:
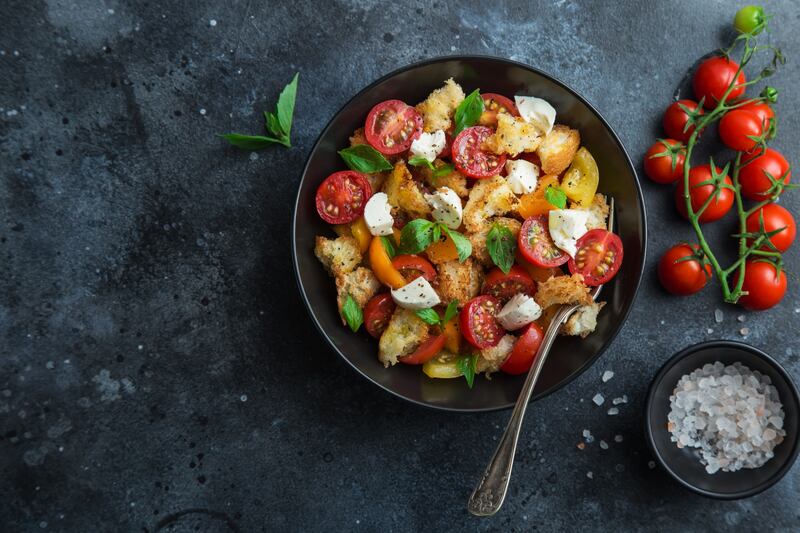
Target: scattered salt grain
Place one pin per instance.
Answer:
(603, 445)
(243, 397)
(651, 464)
(744, 332)
(202, 110)
(623, 399)
(588, 437)
(589, 474)
(613, 411)
(598, 399)
(740, 318)
(212, 23)
(709, 331)
(718, 316)
(617, 438)
(607, 375)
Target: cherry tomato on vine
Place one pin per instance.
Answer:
(342, 196)
(764, 112)
(392, 126)
(712, 79)
(663, 162)
(739, 130)
(524, 352)
(676, 117)
(682, 276)
(377, 313)
(478, 324)
(775, 217)
(765, 287)
(749, 19)
(755, 172)
(699, 193)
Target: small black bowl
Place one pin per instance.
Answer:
(684, 464)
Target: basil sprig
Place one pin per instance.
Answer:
(555, 196)
(501, 245)
(279, 124)
(430, 316)
(418, 234)
(420, 162)
(468, 365)
(352, 313)
(468, 112)
(364, 158)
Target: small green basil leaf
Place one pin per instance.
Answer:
(388, 245)
(501, 245)
(420, 162)
(463, 246)
(444, 170)
(364, 158)
(555, 196)
(450, 312)
(429, 316)
(352, 313)
(251, 142)
(416, 236)
(468, 112)
(468, 365)
(285, 106)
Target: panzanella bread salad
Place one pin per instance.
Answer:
(461, 226)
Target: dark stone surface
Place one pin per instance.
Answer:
(158, 369)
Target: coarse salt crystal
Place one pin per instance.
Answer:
(740, 318)
(603, 445)
(589, 474)
(718, 316)
(617, 438)
(744, 332)
(651, 464)
(613, 411)
(607, 375)
(212, 23)
(598, 399)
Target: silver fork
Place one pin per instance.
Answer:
(488, 496)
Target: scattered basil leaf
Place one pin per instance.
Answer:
(285, 106)
(468, 365)
(555, 196)
(388, 245)
(429, 316)
(364, 158)
(352, 313)
(463, 246)
(416, 236)
(420, 162)
(450, 312)
(250, 142)
(273, 124)
(468, 112)
(444, 170)
(501, 245)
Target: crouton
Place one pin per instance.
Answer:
(404, 193)
(558, 148)
(489, 197)
(437, 110)
(358, 137)
(491, 359)
(478, 239)
(583, 320)
(562, 290)
(598, 212)
(513, 136)
(361, 284)
(340, 256)
(459, 281)
(404, 333)
(454, 180)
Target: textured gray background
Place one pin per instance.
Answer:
(158, 368)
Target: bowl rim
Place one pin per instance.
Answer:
(688, 352)
(472, 57)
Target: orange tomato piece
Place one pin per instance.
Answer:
(382, 265)
(533, 203)
(452, 337)
(442, 251)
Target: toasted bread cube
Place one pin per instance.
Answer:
(558, 148)
(361, 284)
(478, 239)
(562, 290)
(404, 333)
(459, 281)
(488, 198)
(491, 359)
(598, 212)
(583, 320)
(513, 136)
(404, 193)
(358, 137)
(340, 256)
(437, 110)
(454, 180)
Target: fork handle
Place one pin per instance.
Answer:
(488, 496)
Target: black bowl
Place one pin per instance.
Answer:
(617, 178)
(683, 464)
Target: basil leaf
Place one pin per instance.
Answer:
(463, 246)
(468, 112)
(429, 316)
(416, 236)
(444, 170)
(251, 142)
(364, 158)
(273, 125)
(352, 313)
(468, 365)
(450, 312)
(501, 245)
(388, 245)
(421, 162)
(555, 196)
(285, 106)
(437, 233)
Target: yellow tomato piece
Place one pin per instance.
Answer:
(533, 203)
(442, 251)
(361, 233)
(581, 179)
(452, 336)
(536, 272)
(382, 265)
(442, 367)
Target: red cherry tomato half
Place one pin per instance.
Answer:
(377, 313)
(682, 276)
(524, 352)
(392, 126)
(598, 258)
(470, 159)
(764, 286)
(718, 207)
(426, 351)
(414, 266)
(775, 217)
(342, 196)
(712, 79)
(663, 162)
(676, 117)
(478, 324)
(494, 104)
(753, 176)
(738, 128)
(537, 246)
(504, 286)
(763, 111)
